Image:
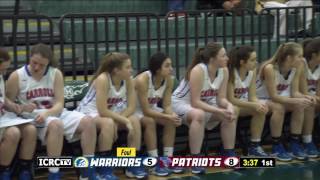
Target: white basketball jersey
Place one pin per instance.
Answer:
(283, 85)
(154, 95)
(39, 92)
(241, 88)
(312, 78)
(209, 90)
(2, 94)
(116, 101)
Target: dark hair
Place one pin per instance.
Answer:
(4, 55)
(203, 55)
(46, 52)
(311, 47)
(109, 62)
(156, 61)
(236, 54)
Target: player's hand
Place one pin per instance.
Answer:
(313, 99)
(41, 117)
(225, 115)
(29, 107)
(232, 110)
(302, 102)
(175, 119)
(16, 108)
(261, 107)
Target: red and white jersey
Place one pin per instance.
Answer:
(209, 90)
(312, 78)
(283, 85)
(241, 88)
(117, 100)
(154, 95)
(39, 92)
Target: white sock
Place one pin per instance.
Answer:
(168, 151)
(88, 155)
(153, 153)
(307, 138)
(53, 170)
(255, 140)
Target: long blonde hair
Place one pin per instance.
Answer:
(283, 51)
(109, 62)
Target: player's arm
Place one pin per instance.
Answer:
(12, 87)
(303, 84)
(12, 90)
(235, 101)
(141, 85)
(131, 99)
(166, 104)
(295, 86)
(58, 102)
(269, 76)
(102, 87)
(196, 83)
(222, 92)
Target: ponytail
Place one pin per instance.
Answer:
(203, 55)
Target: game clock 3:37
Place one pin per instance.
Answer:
(257, 162)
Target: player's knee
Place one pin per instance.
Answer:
(149, 122)
(135, 121)
(56, 126)
(197, 115)
(278, 109)
(88, 123)
(12, 135)
(107, 124)
(29, 130)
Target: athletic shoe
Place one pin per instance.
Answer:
(25, 175)
(5, 175)
(106, 173)
(311, 150)
(54, 176)
(228, 153)
(198, 170)
(159, 171)
(280, 153)
(136, 172)
(296, 150)
(167, 163)
(87, 173)
(256, 151)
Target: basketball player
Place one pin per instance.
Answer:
(278, 83)
(242, 93)
(111, 102)
(39, 82)
(10, 135)
(310, 86)
(154, 86)
(200, 100)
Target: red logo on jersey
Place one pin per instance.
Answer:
(312, 82)
(154, 100)
(113, 101)
(40, 92)
(238, 92)
(43, 104)
(209, 93)
(282, 87)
